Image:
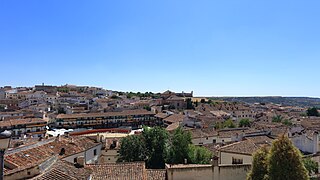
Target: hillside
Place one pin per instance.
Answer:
(288, 101)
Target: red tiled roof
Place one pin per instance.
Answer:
(122, 113)
(119, 171)
(39, 154)
(28, 121)
(62, 170)
(248, 146)
(174, 118)
(162, 115)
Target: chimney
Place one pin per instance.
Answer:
(67, 134)
(215, 161)
(80, 162)
(185, 161)
(98, 138)
(58, 138)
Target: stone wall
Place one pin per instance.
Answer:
(207, 172)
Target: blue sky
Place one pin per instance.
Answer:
(216, 48)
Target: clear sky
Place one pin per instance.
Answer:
(216, 48)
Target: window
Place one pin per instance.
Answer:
(75, 160)
(214, 141)
(237, 161)
(95, 152)
(29, 173)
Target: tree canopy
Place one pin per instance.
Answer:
(189, 103)
(179, 146)
(259, 168)
(285, 161)
(313, 112)
(244, 123)
(133, 148)
(226, 124)
(277, 118)
(155, 140)
(199, 155)
(310, 165)
(282, 162)
(156, 147)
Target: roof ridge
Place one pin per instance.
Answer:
(232, 144)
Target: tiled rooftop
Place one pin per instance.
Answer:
(174, 118)
(204, 132)
(28, 121)
(162, 115)
(120, 171)
(39, 154)
(122, 113)
(62, 170)
(247, 146)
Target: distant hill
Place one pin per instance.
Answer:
(287, 101)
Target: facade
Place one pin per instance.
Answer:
(241, 152)
(134, 118)
(305, 143)
(35, 127)
(244, 114)
(207, 171)
(46, 88)
(32, 160)
(111, 152)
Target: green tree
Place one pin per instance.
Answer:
(218, 125)
(313, 112)
(259, 168)
(229, 124)
(244, 123)
(277, 118)
(155, 140)
(199, 155)
(285, 161)
(115, 97)
(310, 165)
(61, 110)
(179, 146)
(133, 148)
(196, 103)
(189, 103)
(287, 122)
(148, 108)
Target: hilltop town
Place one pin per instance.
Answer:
(76, 132)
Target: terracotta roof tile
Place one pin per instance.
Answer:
(38, 154)
(119, 171)
(174, 118)
(64, 170)
(122, 113)
(247, 146)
